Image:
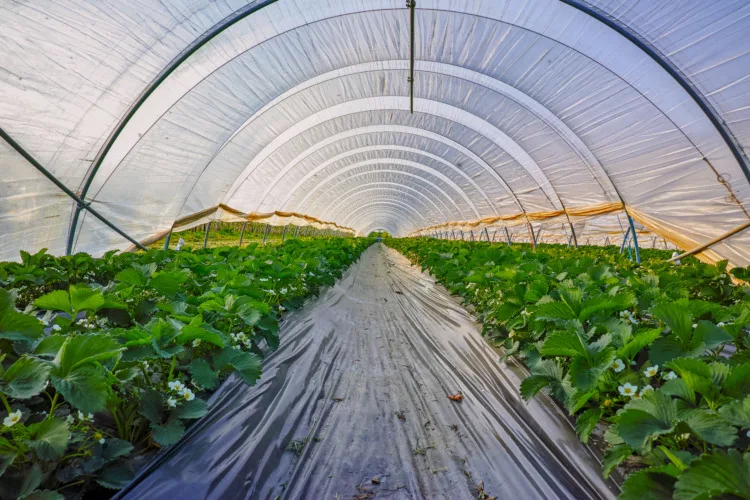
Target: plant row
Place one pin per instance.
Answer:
(103, 361)
(655, 358)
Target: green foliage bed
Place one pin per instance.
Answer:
(657, 356)
(104, 360)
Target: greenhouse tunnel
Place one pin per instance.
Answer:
(551, 114)
(568, 122)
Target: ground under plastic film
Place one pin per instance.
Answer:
(354, 404)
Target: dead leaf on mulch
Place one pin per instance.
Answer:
(457, 397)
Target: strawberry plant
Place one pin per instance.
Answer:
(654, 358)
(104, 361)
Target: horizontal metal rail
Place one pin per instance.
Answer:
(714, 241)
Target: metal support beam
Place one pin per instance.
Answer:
(507, 235)
(183, 56)
(82, 205)
(535, 235)
(624, 240)
(487, 234)
(283, 234)
(265, 233)
(166, 241)
(635, 240)
(675, 73)
(242, 232)
(494, 233)
(453, 233)
(471, 235)
(714, 241)
(411, 4)
(296, 232)
(531, 233)
(208, 230)
(573, 234)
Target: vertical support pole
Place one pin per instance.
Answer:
(166, 242)
(531, 233)
(462, 234)
(534, 235)
(635, 240)
(507, 234)
(205, 238)
(242, 232)
(624, 241)
(283, 234)
(296, 232)
(471, 234)
(453, 234)
(573, 234)
(410, 4)
(494, 233)
(487, 234)
(265, 233)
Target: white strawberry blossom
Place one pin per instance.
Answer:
(13, 418)
(651, 371)
(670, 376)
(628, 389)
(188, 394)
(171, 402)
(646, 389)
(176, 386)
(618, 365)
(85, 417)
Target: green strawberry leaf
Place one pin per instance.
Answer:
(718, 474)
(49, 438)
(25, 378)
(16, 326)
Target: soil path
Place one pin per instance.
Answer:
(354, 405)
